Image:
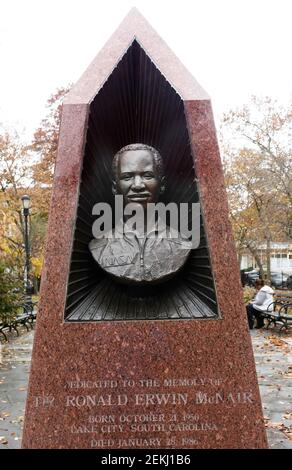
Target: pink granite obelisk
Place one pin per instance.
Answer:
(188, 383)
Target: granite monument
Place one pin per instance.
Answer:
(175, 369)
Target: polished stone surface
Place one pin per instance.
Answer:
(198, 377)
(273, 372)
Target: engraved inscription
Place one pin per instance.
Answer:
(149, 413)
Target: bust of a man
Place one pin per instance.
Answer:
(144, 254)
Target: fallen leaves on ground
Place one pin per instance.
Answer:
(287, 430)
(3, 440)
(287, 374)
(276, 340)
(273, 343)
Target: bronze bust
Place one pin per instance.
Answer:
(134, 256)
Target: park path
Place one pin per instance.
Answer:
(274, 368)
(14, 372)
(273, 361)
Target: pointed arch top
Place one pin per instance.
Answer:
(135, 27)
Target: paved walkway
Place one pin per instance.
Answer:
(274, 367)
(14, 372)
(273, 360)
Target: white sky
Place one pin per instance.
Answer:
(234, 48)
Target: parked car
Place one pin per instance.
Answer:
(279, 280)
(251, 277)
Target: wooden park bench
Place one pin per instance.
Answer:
(279, 311)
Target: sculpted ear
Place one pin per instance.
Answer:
(162, 185)
(114, 187)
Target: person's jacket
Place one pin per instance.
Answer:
(264, 299)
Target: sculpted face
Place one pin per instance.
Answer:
(137, 177)
(139, 258)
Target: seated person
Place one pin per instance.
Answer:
(261, 302)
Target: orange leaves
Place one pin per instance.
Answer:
(256, 142)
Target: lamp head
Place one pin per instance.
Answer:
(25, 201)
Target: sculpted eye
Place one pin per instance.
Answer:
(148, 175)
(126, 177)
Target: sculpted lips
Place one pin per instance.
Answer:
(139, 196)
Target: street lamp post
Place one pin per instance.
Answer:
(28, 290)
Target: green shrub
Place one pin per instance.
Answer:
(11, 292)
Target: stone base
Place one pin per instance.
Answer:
(180, 384)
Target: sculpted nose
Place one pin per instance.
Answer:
(138, 183)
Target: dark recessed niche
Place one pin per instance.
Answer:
(136, 104)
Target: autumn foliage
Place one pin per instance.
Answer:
(256, 150)
(27, 169)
